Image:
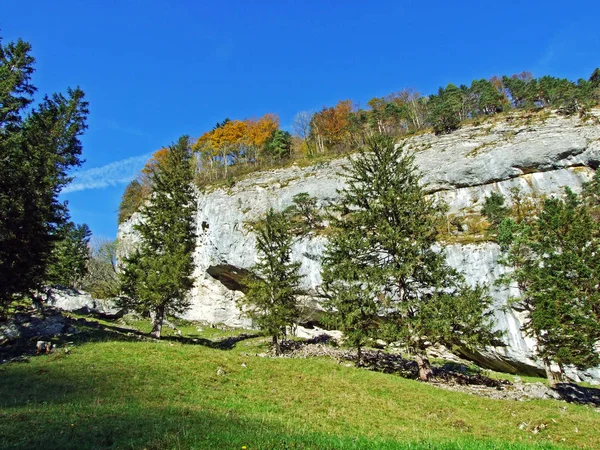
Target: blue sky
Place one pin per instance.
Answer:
(156, 69)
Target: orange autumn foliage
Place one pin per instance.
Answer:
(237, 137)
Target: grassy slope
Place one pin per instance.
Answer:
(120, 394)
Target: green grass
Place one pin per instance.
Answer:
(155, 395)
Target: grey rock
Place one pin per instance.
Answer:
(461, 168)
(47, 323)
(75, 300)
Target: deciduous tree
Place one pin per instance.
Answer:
(102, 280)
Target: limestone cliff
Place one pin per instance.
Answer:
(539, 156)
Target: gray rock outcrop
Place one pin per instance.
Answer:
(74, 300)
(462, 168)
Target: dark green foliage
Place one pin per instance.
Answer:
(304, 212)
(279, 144)
(272, 297)
(444, 109)
(381, 265)
(350, 295)
(595, 78)
(487, 99)
(37, 151)
(16, 90)
(69, 259)
(131, 201)
(556, 258)
(222, 124)
(157, 276)
(494, 210)
(101, 279)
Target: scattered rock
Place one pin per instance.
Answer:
(220, 372)
(43, 347)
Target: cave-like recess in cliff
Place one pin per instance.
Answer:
(232, 277)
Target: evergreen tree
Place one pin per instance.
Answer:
(382, 264)
(304, 209)
(157, 276)
(69, 259)
(279, 144)
(350, 293)
(488, 99)
(272, 297)
(37, 151)
(132, 199)
(494, 210)
(595, 78)
(556, 261)
(444, 110)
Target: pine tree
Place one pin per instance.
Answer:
(272, 297)
(70, 256)
(350, 294)
(494, 210)
(157, 276)
(444, 110)
(304, 213)
(37, 151)
(279, 144)
(556, 262)
(381, 264)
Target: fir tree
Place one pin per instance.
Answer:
(37, 151)
(444, 110)
(556, 262)
(157, 276)
(494, 210)
(279, 144)
(382, 265)
(305, 212)
(70, 256)
(272, 297)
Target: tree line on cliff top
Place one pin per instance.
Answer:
(237, 147)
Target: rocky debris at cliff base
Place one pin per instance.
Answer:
(451, 376)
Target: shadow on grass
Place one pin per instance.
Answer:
(574, 393)
(80, 331)
(227, 343)
(47, 407)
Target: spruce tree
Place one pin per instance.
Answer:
(272, 297)
(37, 147)
(494, 210)
(384, 275)
(70, 256)
(556, 262)
(157, 276)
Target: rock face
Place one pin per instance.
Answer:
(462, 168)
(67, 299)
(42, 324)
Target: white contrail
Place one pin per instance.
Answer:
(118, 172)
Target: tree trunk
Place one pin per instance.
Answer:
(424, 367)
(157, 323)
(553, 377)
(359, 356)
(276, 345)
